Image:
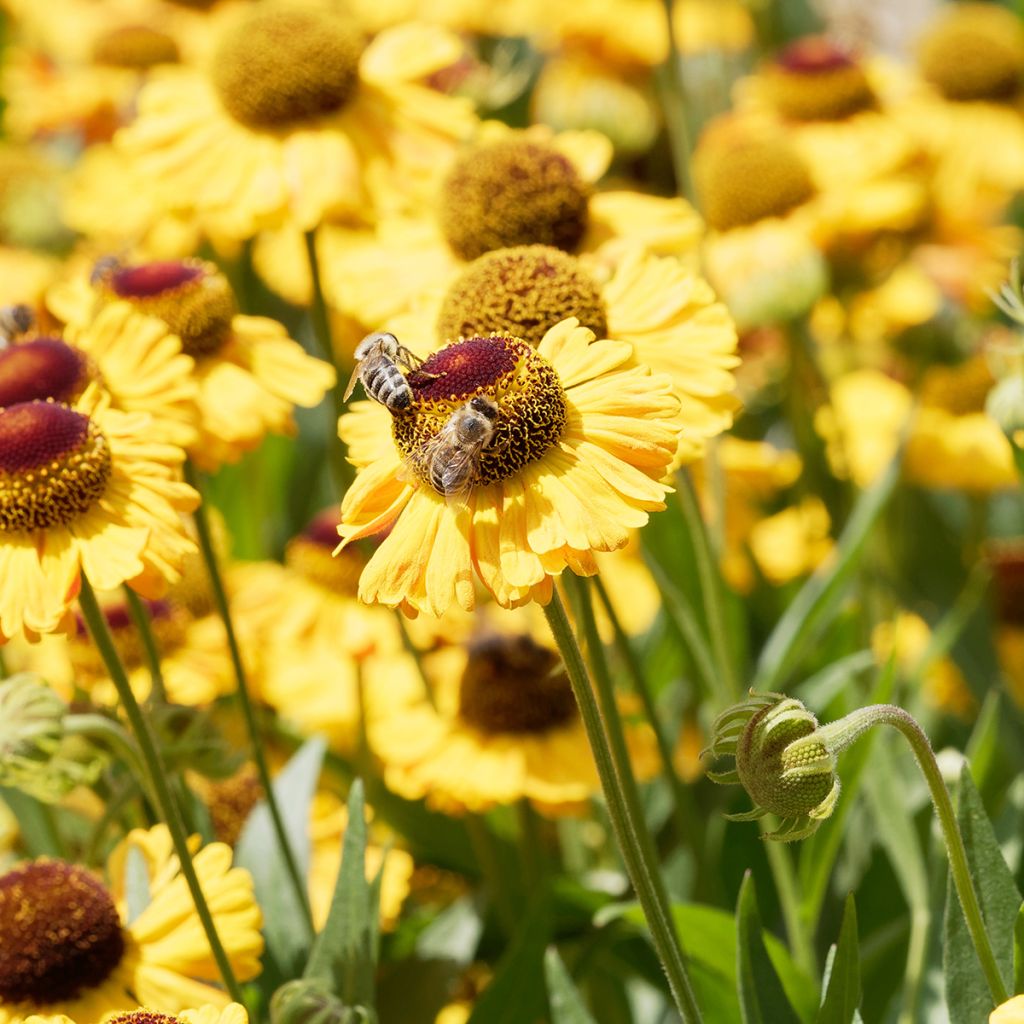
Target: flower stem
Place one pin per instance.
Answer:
(840, 734)
(340, 469)
(248, 713)
(157, 779)
(624, 803)
(787, 889)
(710, 585)
(677, 110)
(137, 611)
(688, 823)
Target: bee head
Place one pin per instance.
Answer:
(485, 407)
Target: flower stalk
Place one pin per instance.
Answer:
(157, 777)
(140, 619)
(623, 800)
(245, 700)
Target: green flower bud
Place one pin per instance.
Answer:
(308, 1001)
(782, 761)
(35, 754)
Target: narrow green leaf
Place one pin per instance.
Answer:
(565, 1001)
(842, 994)
(712, 961)
(257, 850)
(343, 958)
(814, 606)
(762, 998)
(37, 823)
(136, 883)
(516, 994)
(967, 993)
(453, 934)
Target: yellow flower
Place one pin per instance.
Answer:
(295, 119)
(194, 660)
(328, 821)
(834, 109)
(667, 312)
(968, 118)
(792, 542)
(68, 946)
(906, 639)
(505, 728)
(133, 359)
(249, 375)
(862, 424)
(582, 441)
(233, 1013)
(109, 506)
(510, 188)
(1010, 1012)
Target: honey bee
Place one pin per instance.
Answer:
(379, 359)
(103, 268)
(451, 459)
(15, 320)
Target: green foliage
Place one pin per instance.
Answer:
(842, 984)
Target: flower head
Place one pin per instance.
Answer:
(581, 441)
(68, 947)
(783, 766)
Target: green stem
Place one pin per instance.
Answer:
(138, 613)
(688, 822)
(711, 587)
(530, 844)
(840, 734)
(3, 666)
(414, 652)
(676, 110)
(106, 730)
(788, 891)
(248, 713)
(321, 321)
(482, 840)
(624, 809)
(157, 779)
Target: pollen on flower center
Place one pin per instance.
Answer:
(142, 1017)
(191, 296)
(974, 52)
(135, 47)
(513, 192)
(525, 386)
(281, 67)
(745, 179)
(60, 933)
(311, 555)
(523, 291)
(54, 465)
(42, 368)
(814, 80)
(512, 684)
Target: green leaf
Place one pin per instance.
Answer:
(454, 934)
(566, 1003)
(136, 883)
(709, 939)
(283, 918)
(762, 998)
(344, 954)
(815, 605)
(516, 995)
(967, 993)
(842, 994)
(37, 824)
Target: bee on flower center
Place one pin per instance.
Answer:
(14, 321)
(379, 361)
(450, 460)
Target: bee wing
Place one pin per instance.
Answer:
(352, 382)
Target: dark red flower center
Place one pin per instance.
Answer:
(60, 933)
(42, 368)
(151, 279)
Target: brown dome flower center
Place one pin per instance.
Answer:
(42, 368)
(311, 555)
(230, 800)
(958, 389)
(744, 180)
(512, 684)
(60, 933)
(143, 1016)
(191, 296)
(1007, 561)
(524, 292)
(136, 47)
(282, 67)
(814, 80)
(974, 52)
(54, 465)
(525, 387)
(166, 621)
(513, 192)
